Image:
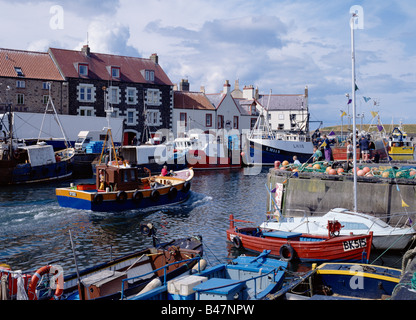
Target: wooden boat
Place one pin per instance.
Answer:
(104, 281)
(303, 246)
(384, 235)
(118, 187)
(342, 281)
(246, 278)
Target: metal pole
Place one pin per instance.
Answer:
(354, 138)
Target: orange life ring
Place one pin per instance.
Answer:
(31, 292)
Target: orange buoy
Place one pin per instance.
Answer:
(332, 171)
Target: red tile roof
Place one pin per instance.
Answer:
(99, 63)
(34, 65)
(192, 100)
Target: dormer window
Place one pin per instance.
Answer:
(19, 71)
(83, 69)
(149, 75)
(115, 72)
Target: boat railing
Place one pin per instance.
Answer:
(164, 268)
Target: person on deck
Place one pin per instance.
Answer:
(317, 154)
(164, 171)
(327, 149)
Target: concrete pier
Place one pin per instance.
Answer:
(317, 193)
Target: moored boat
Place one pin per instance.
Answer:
(118, 187)
(302, 246)
(384, 235)
(400, 147)
(245, 278)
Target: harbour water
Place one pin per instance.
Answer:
(34, 229)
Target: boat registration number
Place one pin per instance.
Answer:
(72, 194)
(354, 244)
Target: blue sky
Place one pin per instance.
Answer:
(281, 46)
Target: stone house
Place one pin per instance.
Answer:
(26, 80)
(135, 89)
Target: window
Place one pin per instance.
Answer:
(20, 84)
(19, 71)
(220, 122)
(115, 72)
(153, 118)
(86, 93)
(86, 111)
(208, 120)
(20, 98)
(182, 119)
(131, 96)
(46, 85)
(281, 116)
(235, 122)
(149, 75)
(253, 122)
(280, 126)
(45, 99)
(113, 95)
(130, 117)
(83, 69)
(153, 97)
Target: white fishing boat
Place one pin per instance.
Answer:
(384, 235)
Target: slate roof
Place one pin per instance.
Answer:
(283, 101)
(34, 65)
(192, 100)
(98, 64)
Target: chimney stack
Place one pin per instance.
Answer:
(155, 58)
(226, 87)
(86, 50)
(184, 85)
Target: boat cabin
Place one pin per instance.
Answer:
(118, 178)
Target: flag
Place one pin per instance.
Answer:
(404, 204)
(349, 101)
(332, 133)
(343, 114)
(356, 87)
(380, 127)
(296, 174)
(323, 144)
(374, 114)
(366, 99)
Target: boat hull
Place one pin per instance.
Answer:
(266, 152)
(199, 160)
(306, 247)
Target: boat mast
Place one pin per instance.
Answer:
(354, 137)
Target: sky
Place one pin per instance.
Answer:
(274, 45)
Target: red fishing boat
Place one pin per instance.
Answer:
(302, 246)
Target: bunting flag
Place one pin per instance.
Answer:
(323, 144)
(343, 114)
(374, 114)
(404, 204)
(349, 101)
(296, 174)
(356, 87)
(332, 133)
(366, 99)
(380, 127)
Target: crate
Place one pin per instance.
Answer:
(182, 287)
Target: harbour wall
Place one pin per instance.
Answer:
(317, 193)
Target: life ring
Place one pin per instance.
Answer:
(31, 292)
(137, 197)
(186, 186)
(121, 196)
(286, 252)
(173, 192)
(154, 196)
(237, 242)
(98, 198)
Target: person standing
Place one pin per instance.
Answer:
(350, 155)
(327, 149)
(364, 148)
(317, 154)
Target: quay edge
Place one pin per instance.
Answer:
(315, 193)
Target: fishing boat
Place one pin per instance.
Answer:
(302, 246)
(266, 146)
(205, 151)
(342, 281)
(245, 278)
(384, 235)
(400, 147)
(104, 281)
(118, 187)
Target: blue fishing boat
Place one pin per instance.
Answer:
(245, 278)
(342, 281)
